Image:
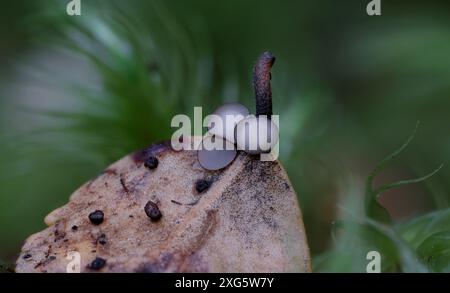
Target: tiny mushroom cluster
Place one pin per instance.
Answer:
(238, 125)
(234, 124)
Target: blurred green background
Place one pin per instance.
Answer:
(78, 93)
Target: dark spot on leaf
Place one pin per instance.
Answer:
(96, 217)
(74, 228)
(102, 239)
(202, 185)
(151, 162)
(97, 264)
(152, 211)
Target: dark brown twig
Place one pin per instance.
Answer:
(261, 83)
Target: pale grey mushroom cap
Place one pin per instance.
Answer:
(237, 111)
(216, 159)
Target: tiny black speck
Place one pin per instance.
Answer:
(151, 162)
(102, 239)
(74, 228)
(97, 264)
(27, 256)
(202, 185)
(96, 217)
